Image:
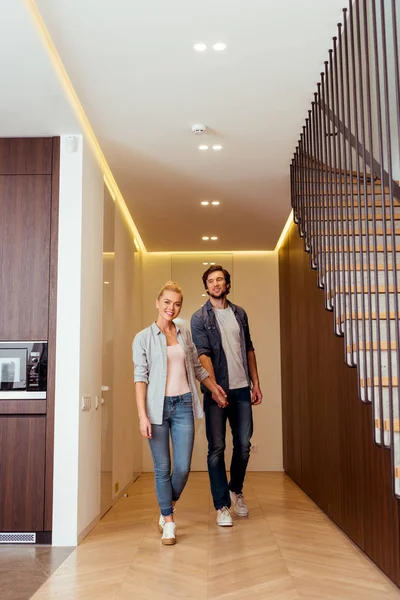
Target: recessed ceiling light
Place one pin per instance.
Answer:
(203, 147)
(205, 203)
(219, 46)
(216, 202)
(212, 263)
(204, 295)
(217, 147)
(214, 237)
(106, 282)
(205, 238)
(205, 263)
(200, 47)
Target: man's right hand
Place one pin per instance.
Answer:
(220, 396)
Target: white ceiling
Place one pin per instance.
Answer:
(142, 87)
(32, 101)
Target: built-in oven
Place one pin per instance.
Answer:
(23, 370)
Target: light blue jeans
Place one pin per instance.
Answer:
(177, 420)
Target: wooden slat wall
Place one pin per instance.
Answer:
(329, 449)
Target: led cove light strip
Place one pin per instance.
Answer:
(84, 123)
(284, 232)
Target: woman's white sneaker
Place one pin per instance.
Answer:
(224, 518)
(169, 534)
(239, 505)
(161, 523)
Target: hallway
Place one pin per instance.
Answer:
(287, 549)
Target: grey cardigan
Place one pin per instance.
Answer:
(150, 366)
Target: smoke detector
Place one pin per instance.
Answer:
(199, 129)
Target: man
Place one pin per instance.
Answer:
(220, 331)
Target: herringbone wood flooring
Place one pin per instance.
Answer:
(287, 549)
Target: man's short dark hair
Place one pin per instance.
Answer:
(214, 268)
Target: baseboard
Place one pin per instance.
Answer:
(97, 519)
(88, 529)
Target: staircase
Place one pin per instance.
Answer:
(346, 204)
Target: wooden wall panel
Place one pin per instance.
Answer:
(52, 328)
(29, 190)
(26, 156)
(25, 202)
(341, 468)
(22, 451)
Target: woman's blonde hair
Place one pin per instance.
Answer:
(170, 286)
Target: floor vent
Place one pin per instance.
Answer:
(17, 538)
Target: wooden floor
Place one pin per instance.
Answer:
(287, 549)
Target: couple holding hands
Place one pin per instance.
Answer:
(168, 359)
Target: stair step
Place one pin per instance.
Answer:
(352, 290)
(354, 277)
(386, 425)
(383, 332)
(359, 315)
(347, 242)
(385, 382)
(343, 189)
(364, 365)
(349, 257)
(382, 300)
(356, 203)
(329, 215)
(379, 267)
(379, 248)
(367, 346)
(317, 178)
(350, 227)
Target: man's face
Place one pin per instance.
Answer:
(216, 284)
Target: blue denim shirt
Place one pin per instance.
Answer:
(207, 338)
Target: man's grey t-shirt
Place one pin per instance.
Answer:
(230, 336)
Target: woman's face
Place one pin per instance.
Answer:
(169, 305)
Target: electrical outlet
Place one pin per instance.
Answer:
(254, 448)
(86, 402)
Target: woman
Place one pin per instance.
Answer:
(166, 366)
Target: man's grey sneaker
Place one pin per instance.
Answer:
(239, 505)
(169, 534)
(224, 518)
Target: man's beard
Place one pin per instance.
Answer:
(220, 295)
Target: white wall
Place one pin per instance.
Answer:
(67, 387)
(78, 347)
(256, 288)
(77, 460)
(91, 340)
(127, 446)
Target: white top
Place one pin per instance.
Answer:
(150, 357)
(177, 381)
(230, 336)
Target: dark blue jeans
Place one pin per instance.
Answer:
(240, 416)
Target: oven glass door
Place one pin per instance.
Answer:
(13, 368)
